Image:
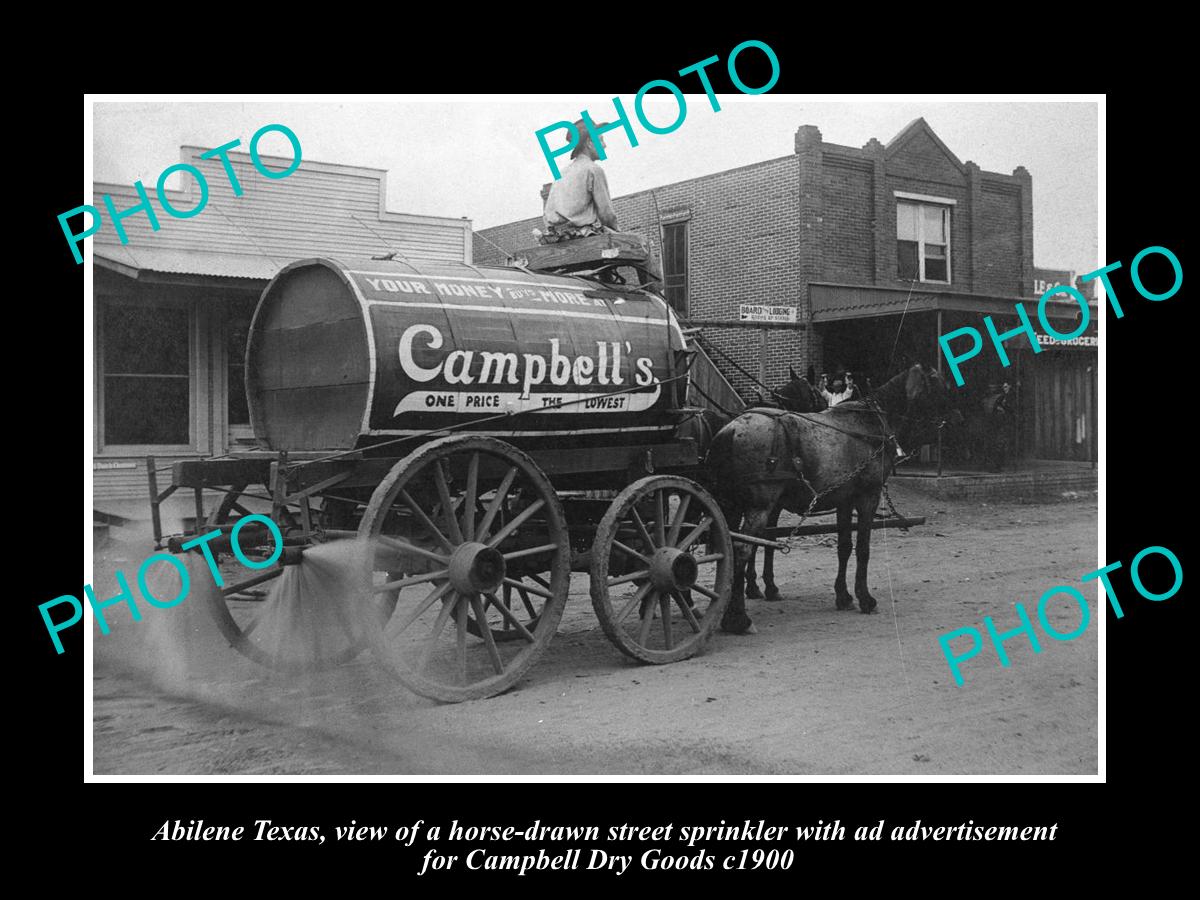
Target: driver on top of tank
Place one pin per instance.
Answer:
(578, 204)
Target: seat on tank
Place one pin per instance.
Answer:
(589, 253)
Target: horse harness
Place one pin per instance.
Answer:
(783, 449)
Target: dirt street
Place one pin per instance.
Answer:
(816, 691)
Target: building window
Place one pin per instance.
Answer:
(237, 329)
(675, 266)
(147, 383)
(923, 242)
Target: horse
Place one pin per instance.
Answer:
(764, 462)
(794, 395)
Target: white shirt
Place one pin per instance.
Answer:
(580, 197)
(834, 399)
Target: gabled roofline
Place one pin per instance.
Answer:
(909, 131)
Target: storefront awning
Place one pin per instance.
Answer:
(837, 302)
(140, 262)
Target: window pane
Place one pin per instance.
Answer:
(934, 218)
(935, 263)
(146, 374)
(675, 265)
(675, 249)
(906, 259)
(142, 409)
(906, 221)
(677, 297)
(145, 340)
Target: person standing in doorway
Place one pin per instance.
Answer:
(1001, 422)
(840, 393)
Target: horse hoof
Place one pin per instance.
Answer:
(742, 625)
(752, 592)
(772, 596)
(844, 604)
(867, 605)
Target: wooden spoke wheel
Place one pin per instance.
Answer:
(518, 599)
(300, 620)
(662, 569)
(477, 534)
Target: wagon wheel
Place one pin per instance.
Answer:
(300, 623)
(518, 600)
(465, 517)
(658, 597)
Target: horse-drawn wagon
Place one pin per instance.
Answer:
(485, 432)
(447, 444)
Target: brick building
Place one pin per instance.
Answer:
(880, 249)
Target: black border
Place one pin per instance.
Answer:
(1148, 451)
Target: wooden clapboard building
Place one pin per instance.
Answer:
(172, 307)
(878, 250)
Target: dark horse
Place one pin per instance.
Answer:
(796, 395)
(766, 461)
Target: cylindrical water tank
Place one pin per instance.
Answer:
(345, 353)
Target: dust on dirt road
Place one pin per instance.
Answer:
(816, 691)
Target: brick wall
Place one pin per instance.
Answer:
(744, 246)
(849, 233)
(998, 246)
(762, 233)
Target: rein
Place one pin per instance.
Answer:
(862, 435)
(769, 391)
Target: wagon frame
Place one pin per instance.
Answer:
(463, 544)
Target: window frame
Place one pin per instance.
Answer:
(687, 254)
(922, 202)
(103, 448)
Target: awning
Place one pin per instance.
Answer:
(836, 302)
(137, 262)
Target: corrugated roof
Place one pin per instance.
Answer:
(131, 260)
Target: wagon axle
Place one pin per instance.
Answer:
(477, 568)
(672, 569)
